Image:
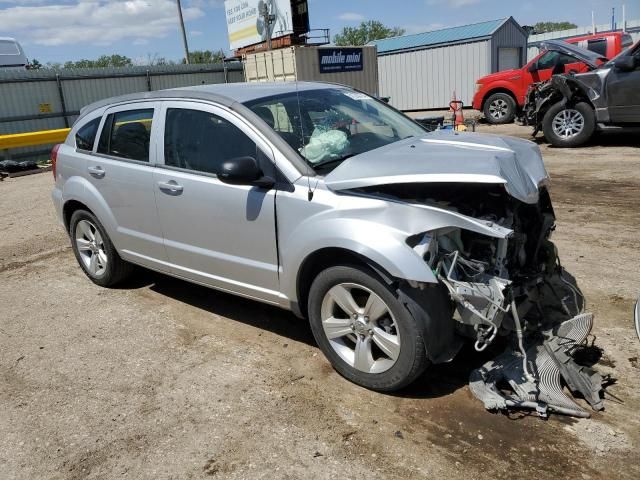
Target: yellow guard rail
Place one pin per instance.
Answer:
(31, 139)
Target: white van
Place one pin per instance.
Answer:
(11, 54)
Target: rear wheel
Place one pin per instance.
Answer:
(367, 334)
(566, 126)
(94, 251)
(499, 108)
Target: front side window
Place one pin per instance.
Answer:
(127, 134)
(598, 46)
(86, 135)
(326, 126)
(201, 141)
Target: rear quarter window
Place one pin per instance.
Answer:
(86, 135)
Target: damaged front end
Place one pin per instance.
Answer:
(512, 285)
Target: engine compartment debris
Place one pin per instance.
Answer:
(511, 286)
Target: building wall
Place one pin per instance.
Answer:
(511, 36)
(426, 79)
(632, 27)
(32, 100)
(302, 63)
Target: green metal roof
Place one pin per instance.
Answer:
(439, 37)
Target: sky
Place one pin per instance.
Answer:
(61, 30)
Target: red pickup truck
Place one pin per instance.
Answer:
(500, 95)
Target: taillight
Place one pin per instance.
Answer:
(54, 159)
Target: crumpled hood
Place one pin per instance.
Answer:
(447, 157)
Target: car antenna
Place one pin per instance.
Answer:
(309, 189)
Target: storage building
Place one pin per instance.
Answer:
(353, 66)
(421, 71)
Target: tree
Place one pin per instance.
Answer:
(206, 56)
(103, 61)
(367, 31)
(542, 27)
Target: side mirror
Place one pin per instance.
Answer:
(533, 67)
(244, 171)
(626, 64)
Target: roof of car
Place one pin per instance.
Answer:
(224, 93)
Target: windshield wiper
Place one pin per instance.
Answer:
(333, 160)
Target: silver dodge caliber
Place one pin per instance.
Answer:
(395, 243)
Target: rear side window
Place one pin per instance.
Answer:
(86, 135)
(201, 141)
(126, 134)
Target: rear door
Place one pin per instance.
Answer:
(217, 234)
(121, 169)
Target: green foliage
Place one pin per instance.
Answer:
(103, 61)
(367, 31)
(542, 27)
(206, 56)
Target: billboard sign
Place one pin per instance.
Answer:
(334, 60)
(246, 25)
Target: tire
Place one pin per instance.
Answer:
(94, 251)
(395, 329)
(499, 108)
(581, 130)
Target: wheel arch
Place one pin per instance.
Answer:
(328, 257)
(500, 89)
(68, 209)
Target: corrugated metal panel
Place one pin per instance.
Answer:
(509, 35)
(577, 32)
(426, 79)
(439, 37)
(633, 28)
(23, 92)
(302, 63)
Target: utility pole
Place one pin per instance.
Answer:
(268, 19)
(184, 34)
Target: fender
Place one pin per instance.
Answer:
(501, 85)
(379, 234)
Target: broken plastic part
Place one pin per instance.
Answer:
(551, 357)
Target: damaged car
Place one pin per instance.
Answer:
(396, 244)
(569, 108)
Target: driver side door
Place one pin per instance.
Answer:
(623, 93)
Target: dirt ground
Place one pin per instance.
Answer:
(162, 379)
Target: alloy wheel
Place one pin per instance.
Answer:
(498, 109)
(360, 328)
(90, 246)
(568, 123)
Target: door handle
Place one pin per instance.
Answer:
(96, 171)
(170, 187)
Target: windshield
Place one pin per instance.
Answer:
(327, 126)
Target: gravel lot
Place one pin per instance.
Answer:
(162, 379)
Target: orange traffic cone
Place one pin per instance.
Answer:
(458, 117)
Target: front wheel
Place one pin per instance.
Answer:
(566, 126)
(367, 334)
(500, 108)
